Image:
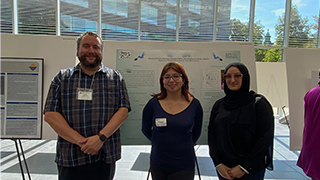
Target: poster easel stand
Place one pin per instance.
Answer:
(24, 159)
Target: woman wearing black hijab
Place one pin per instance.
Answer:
(241, 129)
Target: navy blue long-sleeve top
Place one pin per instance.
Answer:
(173, 143)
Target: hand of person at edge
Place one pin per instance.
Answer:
(224, 171)
(236, 172)
(91, 145)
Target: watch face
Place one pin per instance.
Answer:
(103, 137)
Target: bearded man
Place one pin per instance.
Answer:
(85, 106)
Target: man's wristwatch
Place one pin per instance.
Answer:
(102, 137)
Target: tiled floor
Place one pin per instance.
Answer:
(135, 159)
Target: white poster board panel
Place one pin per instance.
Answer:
(272, 82)
(300, 63)
(141, 63)
(21, 98)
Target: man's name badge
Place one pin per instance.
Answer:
(84, 94)
(161, 122)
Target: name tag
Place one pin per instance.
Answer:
(161, 122)
(84, 94)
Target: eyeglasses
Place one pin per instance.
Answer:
(175, 77)
(229, 76)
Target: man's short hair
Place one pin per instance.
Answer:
(91, 34)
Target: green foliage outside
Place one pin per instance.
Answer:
(301, 35)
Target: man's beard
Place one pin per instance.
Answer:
(85, 63)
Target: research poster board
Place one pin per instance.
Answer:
(198, 59)
(141, 70)
(21, 98)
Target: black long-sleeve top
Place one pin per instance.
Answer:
(241, 136)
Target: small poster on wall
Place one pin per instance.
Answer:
(21, 98)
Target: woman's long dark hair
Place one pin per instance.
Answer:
(185, 87)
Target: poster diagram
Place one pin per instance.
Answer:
(21, 98)
(211, 80)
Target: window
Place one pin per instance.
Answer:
(120, 19)
(171, 21)
(233, 19)
(78, 25)
(173, 2)
(113, 32)
(193, 27)
(78, 16)
(157, 21)
(149, 14)
(83, 3)
(197, 19)
(304, 20)
(34, 18)
(195, 6)
(266, 21)
(6, 16)
(117, 7)
(265, 33)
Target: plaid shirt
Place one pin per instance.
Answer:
(87, 117)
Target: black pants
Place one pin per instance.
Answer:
(99, 170)
(158, 173)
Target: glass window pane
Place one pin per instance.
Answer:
(196, 20)
(83, 3)
(267, 27)
(78, 16)
(6, 16)
(266, 21)
(36, 17)
(158, 19)
(233, 19)
(171, 21)
(116, 7)
(267, 24)
(304, 23)
(268, 30)
(120, 19)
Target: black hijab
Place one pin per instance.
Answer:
(241, 97)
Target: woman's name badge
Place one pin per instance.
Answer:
(84, 94)
(161, 122)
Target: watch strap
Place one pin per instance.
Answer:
(102, 137)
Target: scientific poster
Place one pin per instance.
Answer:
(141, 71)
(21, 98)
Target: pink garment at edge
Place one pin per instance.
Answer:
(309, 159)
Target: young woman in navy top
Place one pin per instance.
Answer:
(172, 121)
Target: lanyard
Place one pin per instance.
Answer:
(84, 93)
(91, 86)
